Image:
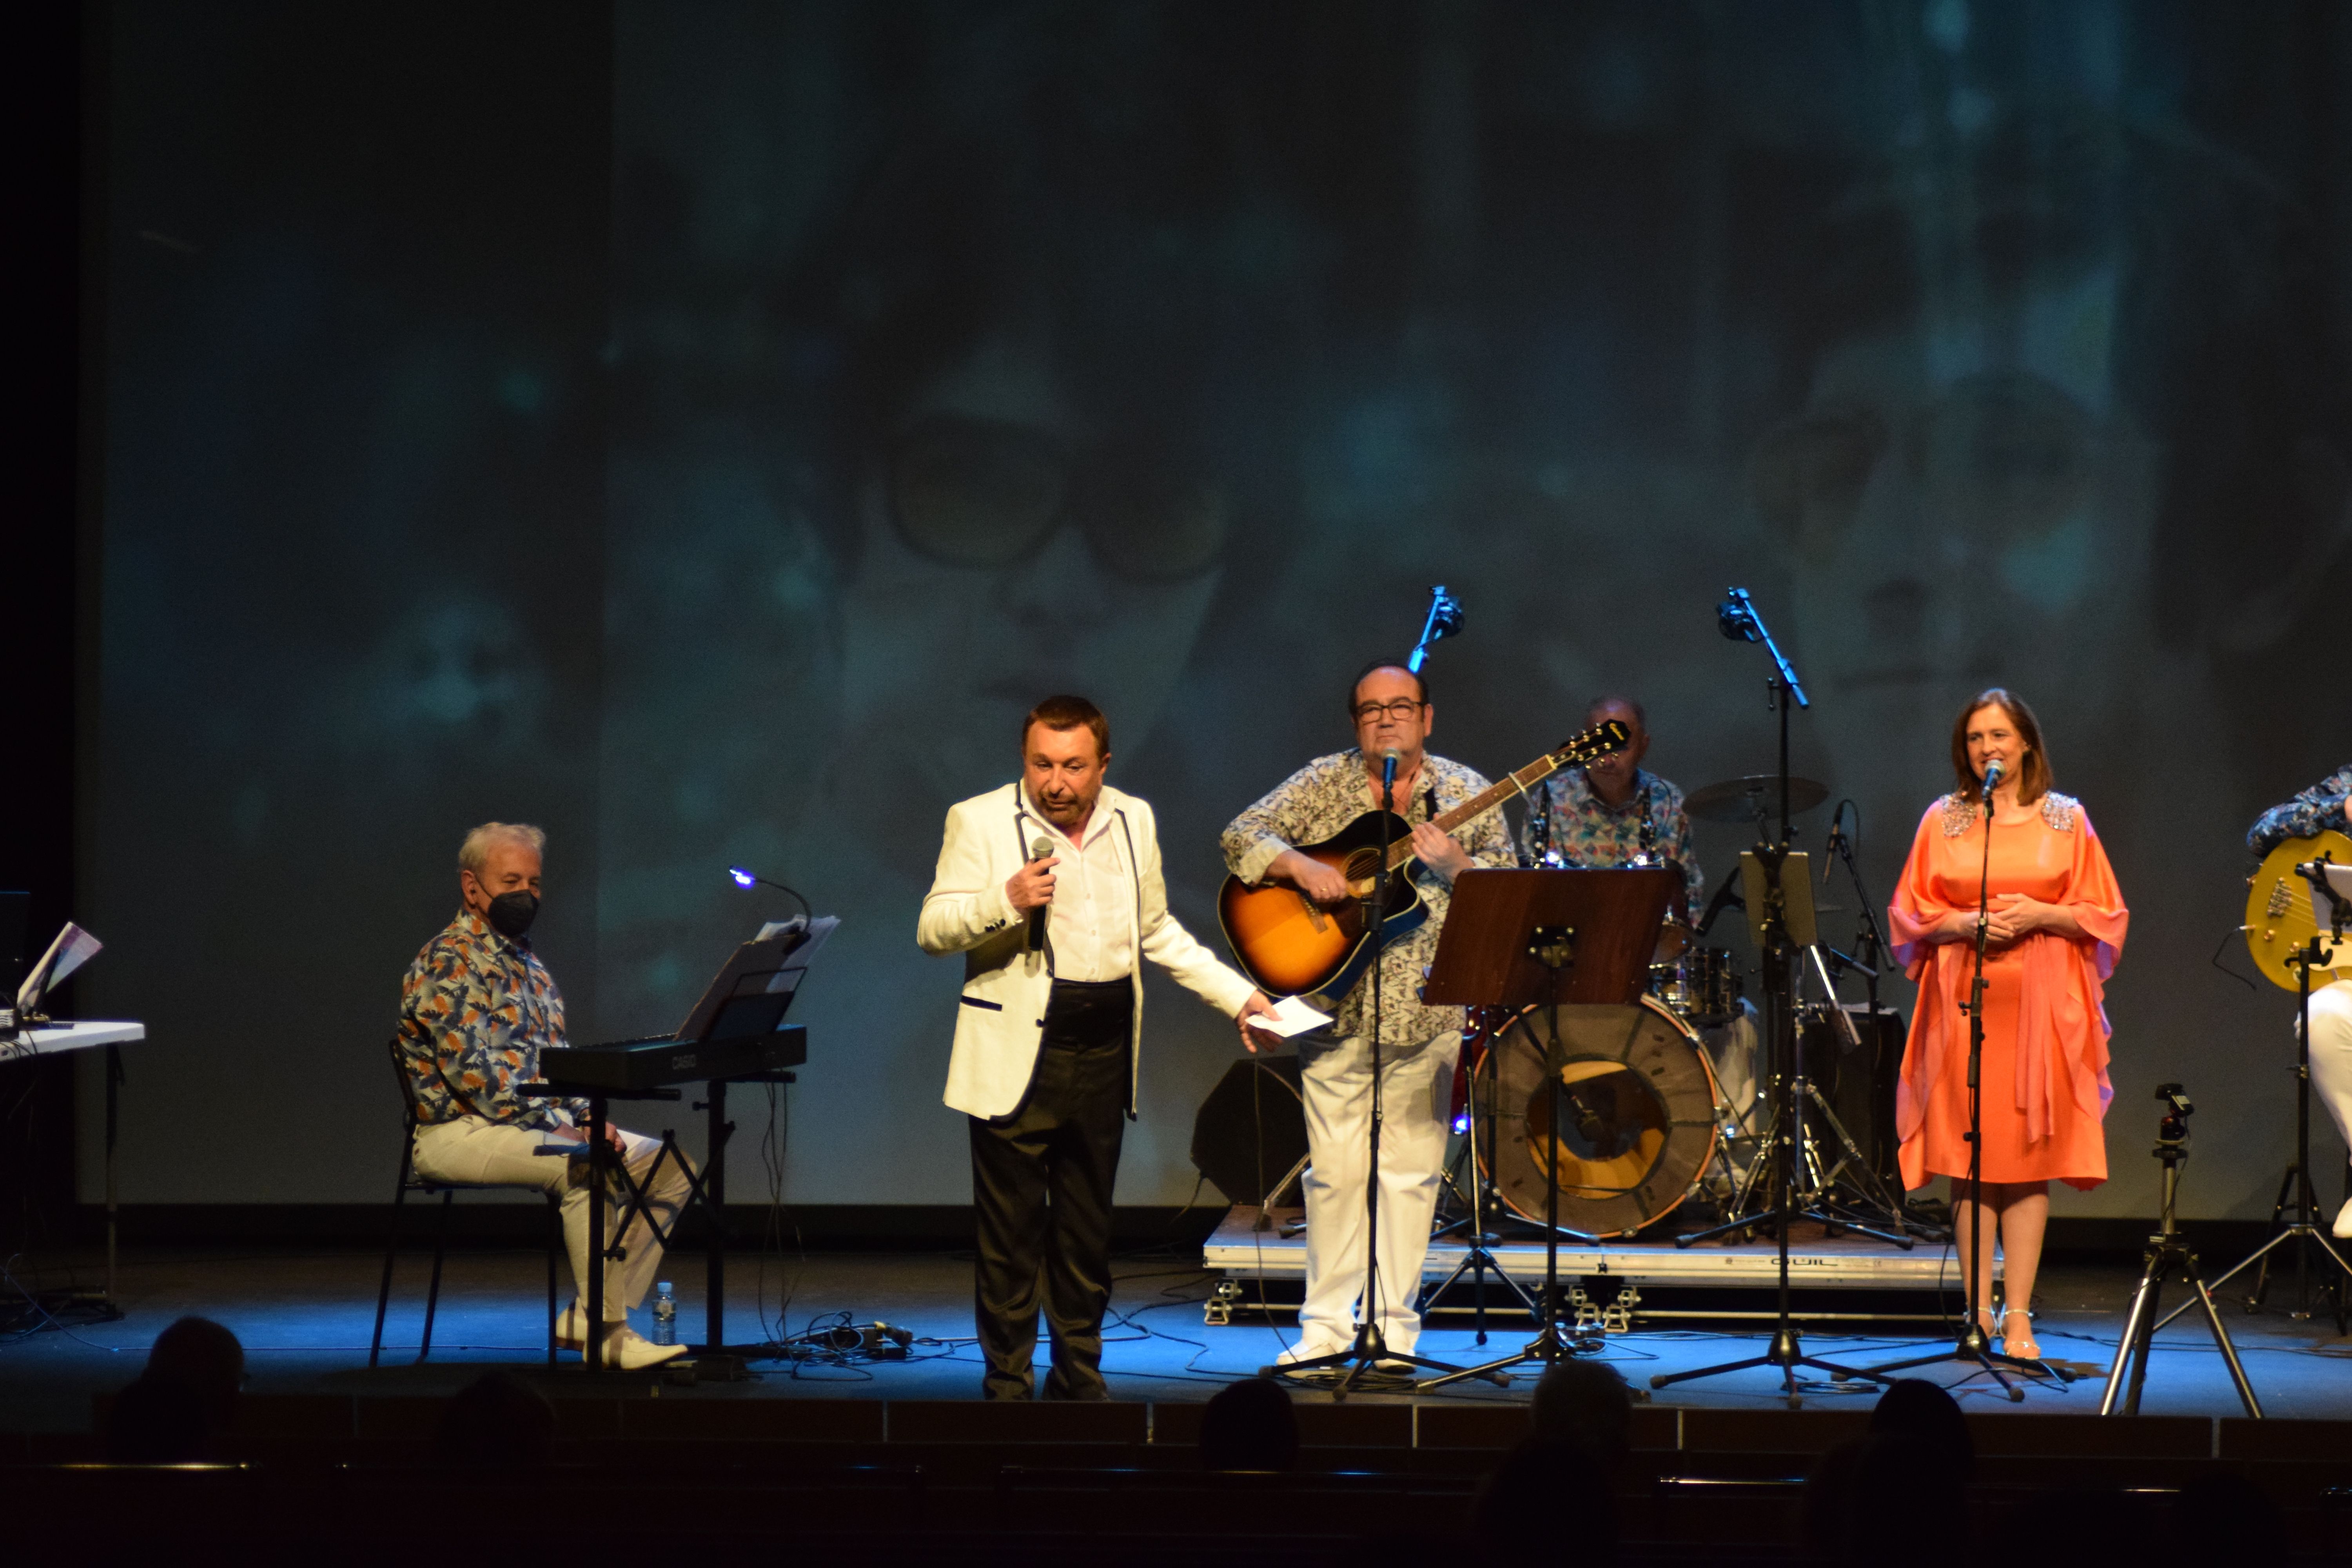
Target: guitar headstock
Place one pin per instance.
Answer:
(1610, 735)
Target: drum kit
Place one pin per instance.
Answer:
(1663, 1092)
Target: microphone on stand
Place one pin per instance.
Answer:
(1388, 776)
(1038, 850)
(1836, 844)
(1992, 775)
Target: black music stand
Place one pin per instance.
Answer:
(1549, 939)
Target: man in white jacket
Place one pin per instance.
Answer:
(1049, 1028)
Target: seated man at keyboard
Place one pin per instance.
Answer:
(477, 1008)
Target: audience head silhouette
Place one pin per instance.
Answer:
(1249, 1426)
(498, 1422)
(170, 1413)
(1584, 1406)
(1913, 1408)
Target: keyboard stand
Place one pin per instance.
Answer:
(706, 1188)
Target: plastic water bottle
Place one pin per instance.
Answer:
(665, 1314)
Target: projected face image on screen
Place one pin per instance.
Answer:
(945, 359)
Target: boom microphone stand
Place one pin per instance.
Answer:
(1737, 619)
(1369, 1355)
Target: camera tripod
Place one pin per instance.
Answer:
(2167, 1254)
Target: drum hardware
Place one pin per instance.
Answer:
(1778, 890)
(2323, 947)
(2168, 1253)
(1701, 985)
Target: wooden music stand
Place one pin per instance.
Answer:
(1521, 939)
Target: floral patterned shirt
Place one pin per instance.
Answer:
(476, 1009)
(2316, 809)
(1588, 834)
(1323, 797)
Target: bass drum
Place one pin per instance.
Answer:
(1637, 1116)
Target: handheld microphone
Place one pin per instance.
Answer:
(1992, 775)
(1038, 850)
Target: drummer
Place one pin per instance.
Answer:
(1614, 811)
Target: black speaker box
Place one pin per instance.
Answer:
(1252, 1129)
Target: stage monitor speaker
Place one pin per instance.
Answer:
(1254, 1121)
(1859, 1081)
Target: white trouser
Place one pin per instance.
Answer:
(499, 1153)
(2331, 1052)
(1416, 1094)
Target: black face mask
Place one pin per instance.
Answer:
(510, 914)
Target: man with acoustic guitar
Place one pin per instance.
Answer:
(1418, 1043)
(2325, 808)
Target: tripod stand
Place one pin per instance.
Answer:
(1369, 1355)
(2168, 1254)
(1765, 868)
(2304, 1228)
(1477, 1260)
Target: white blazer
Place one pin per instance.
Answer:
(1000, 1017)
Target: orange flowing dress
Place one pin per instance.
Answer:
(2045, 1072)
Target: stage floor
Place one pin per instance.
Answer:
(305, 1317)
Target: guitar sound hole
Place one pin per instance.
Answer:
(1361, 864)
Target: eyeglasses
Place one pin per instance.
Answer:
(1401, 711)
(987, 495)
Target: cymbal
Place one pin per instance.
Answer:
(1743, 800)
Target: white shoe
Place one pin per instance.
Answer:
(629, 1350)
(2342, 1228)
(1309, 1350)
(624, 1348)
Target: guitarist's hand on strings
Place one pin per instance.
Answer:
(1440, 850)
(1322, 883)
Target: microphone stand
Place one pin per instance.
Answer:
(1363, 1358)
(1974, 1345)
(1776, 953)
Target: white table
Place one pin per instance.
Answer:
(55, 1039)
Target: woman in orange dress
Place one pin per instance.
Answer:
(2053, 932)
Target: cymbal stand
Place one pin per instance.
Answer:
(1554, 948)
(1477, 1260)
(1776, 955)
(1973, 1343)
(1364, 1358)
(2304, 1228)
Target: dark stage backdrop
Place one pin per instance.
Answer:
(704, 429)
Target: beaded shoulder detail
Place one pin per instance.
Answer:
(1959, 815)
(2060, 811)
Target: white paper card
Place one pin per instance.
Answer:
(1291, 1016)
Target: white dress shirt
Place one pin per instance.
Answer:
(1091, 930)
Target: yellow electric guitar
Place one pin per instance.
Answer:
(1292, 946)
(2281, 914)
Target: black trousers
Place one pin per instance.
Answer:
(1041, 1188)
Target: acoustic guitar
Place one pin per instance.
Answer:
(2281, 914)
(1292, 946)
